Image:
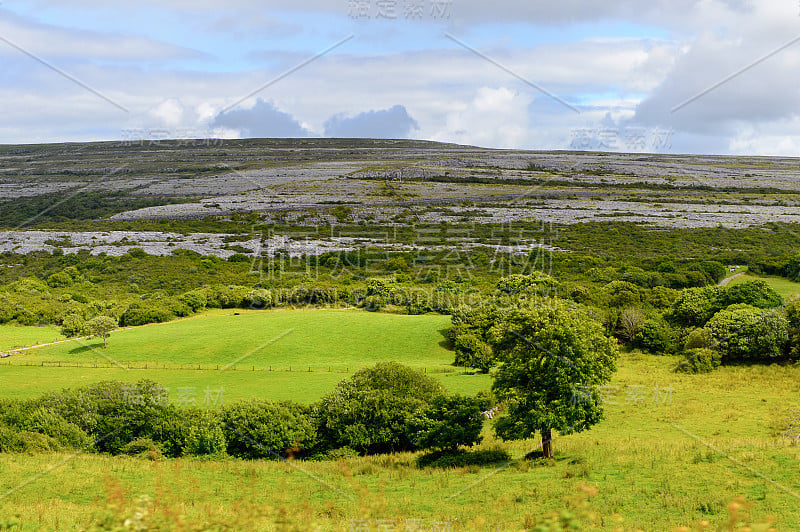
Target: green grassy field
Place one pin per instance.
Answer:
(12, 337)
(339, 340)
(674, 450)
(190, 386)
(783, 286)
(331, 343)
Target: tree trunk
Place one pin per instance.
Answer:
(105, 341)
(547, 443)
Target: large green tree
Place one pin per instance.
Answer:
(553, 358)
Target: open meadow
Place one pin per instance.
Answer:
(674, 450)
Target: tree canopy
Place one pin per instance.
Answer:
(552, 360)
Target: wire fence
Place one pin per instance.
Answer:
(150, 366)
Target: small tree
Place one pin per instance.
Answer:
(73, 325)
(101, 326)
(552, 359)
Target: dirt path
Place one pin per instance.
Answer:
(728, 279)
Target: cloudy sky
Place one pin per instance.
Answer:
(672, 76)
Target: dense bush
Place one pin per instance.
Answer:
(754, 293)
(746, 333)
(656, 336)
(699, 360)
(533, 284)
(195, 299)
(226, 296)
(695, 306)
(49, 422)
(450, 421)
(142, 313)
(205, 434)
(259, 299)
(72, 325)
(792, 311)
(373, 410)
(471, 335)
(261, 429)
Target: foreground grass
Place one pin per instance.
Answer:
(673, 450)
(646, 485)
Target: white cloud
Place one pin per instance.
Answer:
(452, 94)
(53, 42)
(494, 117)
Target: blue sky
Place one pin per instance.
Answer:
(532, 75)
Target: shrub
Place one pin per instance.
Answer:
(695, 306)
(699, 360)
(205, 435)
(9, 442)
(260, 429)
(713, 269)
(34, 442)
(472, 352)
(195, 299)
(143, 448)
(754, 293)
(450, 421)
(700, 338)
(59, 280)
(655, 336)
(792, 311)
(622, 294)
(380, 287)
(49, 422)
(230, 296)
(747, 333)
(143, 313)
(341, 453)
(373, 303)
(372, 411)
(116, 413)
(533, 284)
(72, 325)
(260, 298)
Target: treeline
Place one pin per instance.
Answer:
(386, 408)
(709, 325)
(136, 288)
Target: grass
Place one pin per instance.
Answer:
(339, 340)
(275, 351)
(673, 450)
(12, 337)
(783, 286)
(189, 386)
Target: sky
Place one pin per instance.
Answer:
(664, 76)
